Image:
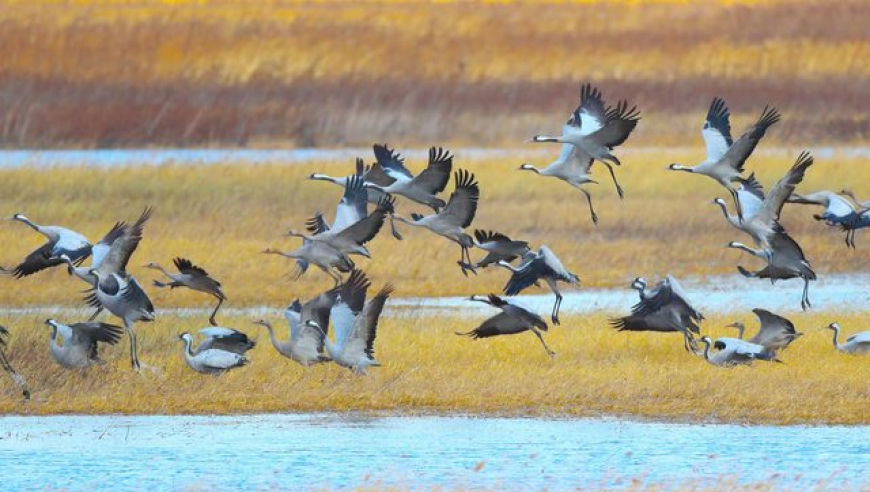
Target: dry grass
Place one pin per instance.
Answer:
(330, 73)
(427, 369)
(223, 216)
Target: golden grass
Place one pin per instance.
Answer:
(427, 369)
(223, 216)
(228, 73)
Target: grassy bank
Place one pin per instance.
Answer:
(428, 369)
(223, 216)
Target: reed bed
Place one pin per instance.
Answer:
(194, 73)
(429, 370)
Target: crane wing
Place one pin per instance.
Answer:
(435, 177)
(717, 130)
(770, 210)
(740, 150)
(391, 163)
(353, 205)
(462, 206)
(620, 122)
(124, 246)
(36, 261)
(591, 114)
(362, 338)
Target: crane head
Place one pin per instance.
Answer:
(833, 326)
(18, 216)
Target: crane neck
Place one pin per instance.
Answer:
(36, 227)
(836, 336)
(188, 353)
(706, 350)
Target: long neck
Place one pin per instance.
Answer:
(529, 167)
(324, 177)
(160, 267)
(836, 335)
(275, 342)
(687, 169)
(707, 350)
(752, 251)
(740, 330)
(188, 352)
(728, 216)
(36, 227)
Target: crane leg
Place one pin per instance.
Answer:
(465, 262)
(395, 231)
(805, 299)
(134, 350)
(591, 209)
(213, 313)
(615, 182)
(555, 315)
(541, 338)
(96, 313)
(736, 203)
(17, 378)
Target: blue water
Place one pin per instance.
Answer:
(157, 157)
(306, 452)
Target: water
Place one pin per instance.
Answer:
(304, 452)
(156, 157)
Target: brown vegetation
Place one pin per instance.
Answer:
(335, 73)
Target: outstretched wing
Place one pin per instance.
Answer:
(435, 177)
(353, 205)
(123, 247)
(38, 260)
(741, 149)
(783, 189)
(365, 328)
(101, 249)
(391, 162)
(187, 267)
(317, 224)
(366, 229)
(717, 130)
(590, 115)
(620, 122)
(462, 206)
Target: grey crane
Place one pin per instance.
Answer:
(788, 262)
(775, 332)
(98, 254)
(540, 265)
(61, 241)
(597, 130)
(118, 291)
(726, 158)
(17, 378)
(733, 352)
(450, 222)
(305, 344)
(194, 278)
(350, 239)
(851, 194)
(841, 210)
(320, 254)
(356, 324)
(498, 247)
(222, 350)
(761, 213)
(857, 344)
(664, 308)
(511, 320)
(79, 342)
(573, 167)
(422, 188)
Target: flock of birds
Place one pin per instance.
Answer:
(591, 135)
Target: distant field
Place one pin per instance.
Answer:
(195, 73)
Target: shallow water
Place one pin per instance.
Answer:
(158, 157)
(302, 452)
(722, 294)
